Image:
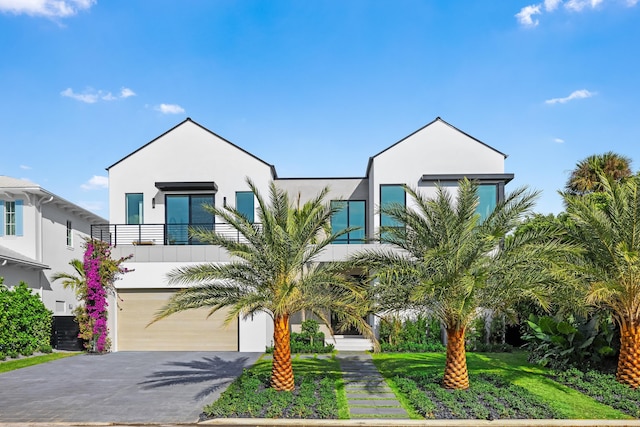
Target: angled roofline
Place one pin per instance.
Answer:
(13, 257)
(188, 119)
(423, 127)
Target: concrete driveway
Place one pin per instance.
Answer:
(123, 387)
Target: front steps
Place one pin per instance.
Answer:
(350, 342)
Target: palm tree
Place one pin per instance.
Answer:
(77, 282)
(609, 234)
(274, 272)
(450, 262)
(585, 179)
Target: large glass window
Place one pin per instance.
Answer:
(351, 213)
(183, 211)
(134, 208)
(487, 199)
(390, 195)
(245, 204)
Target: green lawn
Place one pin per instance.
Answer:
(319, 393)
(514, 368)
(11, 365)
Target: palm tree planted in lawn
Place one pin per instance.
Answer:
(274, 272)
(450, 262)
(609, 234)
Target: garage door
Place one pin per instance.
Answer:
(190, 330)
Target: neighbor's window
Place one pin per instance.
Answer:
(10, 218)
(351, 213)
(69, 234)
(245, 204)
(134, 208)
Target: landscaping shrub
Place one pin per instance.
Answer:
(420, 334)
(602, 387)
(560, 344)
(25, 323)
(486, 334)
(489, 397)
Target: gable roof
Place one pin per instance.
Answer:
(437, 119)
(188, 119)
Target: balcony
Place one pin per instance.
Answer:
(157, 234)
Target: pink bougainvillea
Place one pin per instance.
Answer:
(100, 273)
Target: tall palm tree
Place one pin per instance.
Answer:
(450, 262)
(274, 272)
(609, 234)
(585, 179)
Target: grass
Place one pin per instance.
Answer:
(319, 393)
(513, 368)
(12, 365)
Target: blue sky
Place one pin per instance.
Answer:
(315, 87)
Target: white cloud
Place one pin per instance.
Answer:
(525, 14)
(578, 94)
(25, 167)
(170, 109)
(91, 96)
(551, 5)
(558, 140)
(88, 96)
(125, 92)
(96, 183)
(48, 8)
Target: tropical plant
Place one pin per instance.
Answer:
(274, 272)
(93, 281)
(609, 234)
(450, 262)
(585, 178)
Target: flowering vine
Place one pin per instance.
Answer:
(100, 274)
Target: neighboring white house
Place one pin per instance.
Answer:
(156, 192)
(40, 233)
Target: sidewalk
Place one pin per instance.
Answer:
(368, 394)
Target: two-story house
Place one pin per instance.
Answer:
(157, 191)
(40, 233)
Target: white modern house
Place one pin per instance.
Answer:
(157, 192)
(40, 233)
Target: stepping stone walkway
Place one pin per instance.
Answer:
(368, 394)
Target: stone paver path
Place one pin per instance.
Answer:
(368, 394)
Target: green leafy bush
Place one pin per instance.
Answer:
(420, 334)
(560, 344)
(310, 340)
(25, 323)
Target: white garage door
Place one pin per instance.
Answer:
(190, 330)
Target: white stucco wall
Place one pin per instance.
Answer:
(188, 153)
(435, 149)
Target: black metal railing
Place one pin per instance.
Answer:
(157, 234)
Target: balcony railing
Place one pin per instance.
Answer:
(157, 234)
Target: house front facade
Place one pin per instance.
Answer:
(157, 192)
(40, 233)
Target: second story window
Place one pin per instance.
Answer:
(391, 195)
(183, 211)
(487, 199)
(134, 208)
(11, 221)
(69, 234)
(351, 213)
(245, 204)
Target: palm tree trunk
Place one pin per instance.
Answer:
(628, 371)
(281, 369)
(456, 376)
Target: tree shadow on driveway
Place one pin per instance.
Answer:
(206, 371)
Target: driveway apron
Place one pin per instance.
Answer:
(123, 387)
